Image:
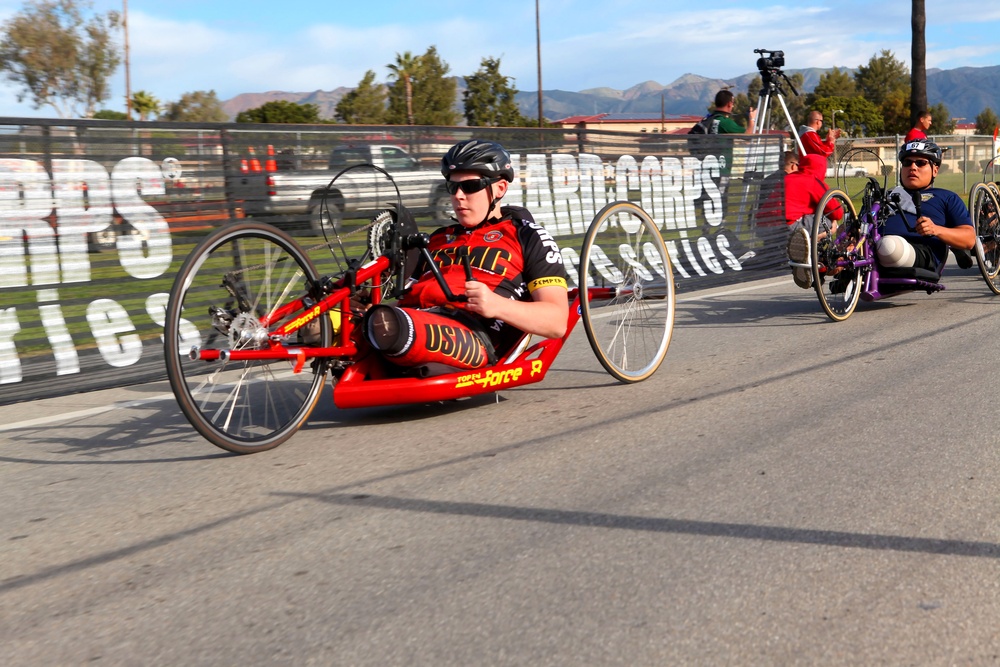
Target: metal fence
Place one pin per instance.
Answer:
(97, 216)
(967, 160)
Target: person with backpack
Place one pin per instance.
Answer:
(720, 120)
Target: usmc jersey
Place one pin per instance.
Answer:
(513, 255)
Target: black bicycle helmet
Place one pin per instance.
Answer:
(482, 157)
(922, 148)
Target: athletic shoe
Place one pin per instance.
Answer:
(798, 253)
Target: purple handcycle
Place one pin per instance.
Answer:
(843, 257)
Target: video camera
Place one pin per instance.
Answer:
(770, 60)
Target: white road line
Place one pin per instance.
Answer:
(751, 288)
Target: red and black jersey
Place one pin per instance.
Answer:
(513, 255)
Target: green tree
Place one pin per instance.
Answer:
(986, 122)
(856, 116)
(365, 105)
(110, 114)
(918, 58)
(941, 120)
(280, 111)
(58, 58)
(835, 83)
(144, 104)
(896, 112)
(196, 107)
(404, 70)
(882, 76)
(432, 94)
(489, 98)
(741, 108)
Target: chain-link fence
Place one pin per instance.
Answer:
(967, 160)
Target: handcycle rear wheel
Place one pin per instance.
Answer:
(242, 406)
(994, 188)
(629, 316)
(985, 211)
(838, 294)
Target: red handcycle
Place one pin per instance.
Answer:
(253, 330)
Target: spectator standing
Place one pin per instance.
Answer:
(812, 143)
(919, 130)
(720, 119)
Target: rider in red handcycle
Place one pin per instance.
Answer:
(252, 329)
(508, 266)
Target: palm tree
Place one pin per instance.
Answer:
(144, 104)
(403, 70)
(918, 54)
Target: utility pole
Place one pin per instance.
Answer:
(128, 76)
(538, 42)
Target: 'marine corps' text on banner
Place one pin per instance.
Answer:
(92, 232)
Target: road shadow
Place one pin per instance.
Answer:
(744, 531)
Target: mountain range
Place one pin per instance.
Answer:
(966, 91)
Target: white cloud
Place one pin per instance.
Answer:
(585, 43)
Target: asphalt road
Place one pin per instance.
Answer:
(785, 490)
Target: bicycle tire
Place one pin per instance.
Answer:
(242, 406)
(994, 188)
(838, 295)
(630, 331)
(985, 212)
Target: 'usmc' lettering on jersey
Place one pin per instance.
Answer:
(458, 344)
(489, 259)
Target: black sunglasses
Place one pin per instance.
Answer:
(468, 187)
(920, 163)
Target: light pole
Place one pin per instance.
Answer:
(128, 81)
(834, 121)
(538, 47)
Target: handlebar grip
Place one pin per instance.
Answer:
(463, 255)
(419, 240)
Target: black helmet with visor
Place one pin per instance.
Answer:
(922, 149)
(482, 157)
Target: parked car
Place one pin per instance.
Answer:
(298, 194)
(846, 170)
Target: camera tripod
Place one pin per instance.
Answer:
(769, 65)
(772, 78)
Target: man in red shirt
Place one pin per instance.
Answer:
(803, 191)
(919, 130)
(812, 142)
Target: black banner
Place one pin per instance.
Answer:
(96, 216)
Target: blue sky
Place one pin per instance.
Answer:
(257, 46)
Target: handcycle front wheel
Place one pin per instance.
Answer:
(627, 298)
(837, 287)
(234, 279)
(985, 211)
